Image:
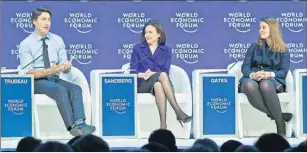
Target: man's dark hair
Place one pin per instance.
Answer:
(230, 146)
(74, 139)
(38, 11)
(207, 143)
(28, 144)
(246, 148)
(164, 137)
(272, 142)
(53, 146)
(155, 147)
(90, 143)
(199, 148)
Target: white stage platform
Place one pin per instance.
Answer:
(127, 144)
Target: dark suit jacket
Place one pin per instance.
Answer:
(142, 59)
(261, 58)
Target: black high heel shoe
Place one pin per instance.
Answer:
(184, 120)
(286, 117)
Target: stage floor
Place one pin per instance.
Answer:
(127, 144)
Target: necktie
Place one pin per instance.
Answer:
(45, 54)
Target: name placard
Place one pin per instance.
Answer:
(118, 97)
(304, 102)
(16, 106)
(218, 107)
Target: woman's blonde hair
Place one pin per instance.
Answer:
(275, 41)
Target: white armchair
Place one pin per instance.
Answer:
(48, 121)
(253, 122)
(148, 112)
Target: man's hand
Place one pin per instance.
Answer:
(67, 66)
(56, 67)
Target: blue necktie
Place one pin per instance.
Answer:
(45, 54)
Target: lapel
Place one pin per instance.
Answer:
(145, 50)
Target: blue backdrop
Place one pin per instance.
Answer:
(201, 34)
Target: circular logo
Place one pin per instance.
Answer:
(125, 50)
(241, 21)
(118, 105)
(293, 21)
(133, 21)
(237, 50)
(188, 52)
(297, 52)
(23, 21)
(188, 22)
(82, 22)
(219, 105)
(83, 53)
(16, 106)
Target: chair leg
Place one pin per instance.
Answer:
(138, 125)
(240, 122)
(36, 120)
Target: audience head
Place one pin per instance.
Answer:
(71, 141)
(199, 148)
(53, 146)
(153, 33)
(302, 147)
(246, 148)
(272, 142)
(164, 137)
(230, 146)
(28, 144)
(138, 150)
(207, 143)
(90, 143)
(291, 149)
(154, 147)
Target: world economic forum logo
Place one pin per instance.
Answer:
(219, 105)
(83, 53)
(241, 21)
(125, 50)
(15, 51)
(293, 21)
(188, 52)
(22, 20)
(237, 50)
(188, 22)
(82, 22)
(118, 105)
(297, 51)
(16, 106)
(134, 21)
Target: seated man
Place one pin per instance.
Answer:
(42, 49)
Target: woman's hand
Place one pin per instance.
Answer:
(260, 75)
(264, 75)
(256, 76)
(148, 74)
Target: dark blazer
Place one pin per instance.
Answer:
(142, 59)
(259, 58)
